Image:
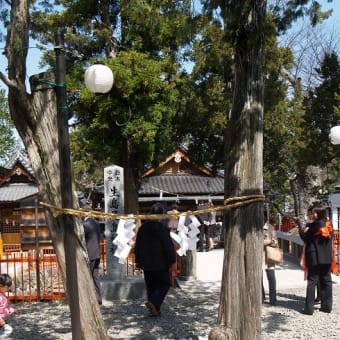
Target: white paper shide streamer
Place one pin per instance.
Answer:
(186, 236)
(124, 239)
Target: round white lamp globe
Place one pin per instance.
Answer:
(98, 78)
(335, 135)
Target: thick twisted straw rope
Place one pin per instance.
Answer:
(229, 203)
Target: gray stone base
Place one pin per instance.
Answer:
(187, 278)
(188, 266)
(126, 289)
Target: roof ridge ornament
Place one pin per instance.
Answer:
(178, 157)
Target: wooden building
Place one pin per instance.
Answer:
(180, 180)
(21, 217)
(177, 180)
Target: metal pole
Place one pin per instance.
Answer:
(66, 186)
(37, 249)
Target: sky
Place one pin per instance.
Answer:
(34, 53)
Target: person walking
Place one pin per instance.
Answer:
(5, 308)
(92, 239)
(269, 240)
(304, 228)
(204, 227)
(318, 257)
(173, 221)
(212, 228)
(155, 255)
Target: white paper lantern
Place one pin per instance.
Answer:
(335, 135)
(99, 78)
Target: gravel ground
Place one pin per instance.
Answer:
(188, 313)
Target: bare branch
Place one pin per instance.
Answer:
(7, 81)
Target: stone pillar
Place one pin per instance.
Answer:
(188, 266)
(116, 285)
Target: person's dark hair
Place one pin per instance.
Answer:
(86, 207)
(174, 206)
(157, 208)
(5, 280)
(321, 212)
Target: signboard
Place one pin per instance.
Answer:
(114, 189)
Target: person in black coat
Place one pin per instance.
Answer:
(318, 256)
(92, 239)
(204, 228)
(155, 254)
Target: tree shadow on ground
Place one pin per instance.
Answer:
(179, 315)
(280, 316)
(41, 321)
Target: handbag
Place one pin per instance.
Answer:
(274, 255)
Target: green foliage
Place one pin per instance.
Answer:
(151, 103)
(287, 12)
(277, 161)
(297, 136)
(7, 139)
(206, 95)
(322, 113)
(139, 110)
(157, 27)
(141, 41)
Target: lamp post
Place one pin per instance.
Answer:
(115, 285)
(66, 185)
(99, 79)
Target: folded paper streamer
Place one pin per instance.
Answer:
(124, 239)
(186, 236)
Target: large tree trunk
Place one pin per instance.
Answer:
(35, 117)
(239, 315)
(130, 186)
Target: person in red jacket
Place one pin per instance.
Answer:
(318, 257)
(155, 254)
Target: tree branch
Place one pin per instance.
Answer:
(8, 82)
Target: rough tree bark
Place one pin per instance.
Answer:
(130, 182)
(239, 315)
(35, 117)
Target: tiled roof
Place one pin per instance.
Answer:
(3, 171)
(181, 184)
(22, 157)
(17, 191)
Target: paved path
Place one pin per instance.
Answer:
(288, 274)
(189, 312)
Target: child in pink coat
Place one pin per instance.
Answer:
(5, 308)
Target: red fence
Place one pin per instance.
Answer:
(287, 224)
(34, 277)
(38, 278)
(337, 251)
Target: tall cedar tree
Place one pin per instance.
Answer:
(239, 314)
